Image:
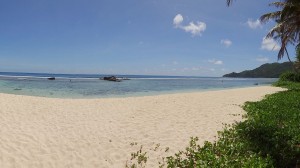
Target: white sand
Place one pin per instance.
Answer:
(45, 132)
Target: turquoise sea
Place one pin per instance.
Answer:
(90, 86)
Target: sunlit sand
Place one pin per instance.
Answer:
(48, 132)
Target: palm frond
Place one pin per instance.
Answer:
(287, 28)
(298, 53)
(297, 62)
(281, 53)
(229, 2)
(277, 4)
(270, 16)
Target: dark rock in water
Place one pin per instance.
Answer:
(17, 89)
(255, 83)
(112, 78)
(51, 78)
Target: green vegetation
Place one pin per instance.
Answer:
(289, 80)
(264, 71)
(297, 62)
(269, 137)
(288, 85)
(140, 157)
(290, 76)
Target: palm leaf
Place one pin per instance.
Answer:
(229, 2)
(273, 15)
(287, 28)
(277, 4)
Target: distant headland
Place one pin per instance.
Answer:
(268, 70)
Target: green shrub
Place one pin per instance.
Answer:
(288, 84)
(290, 76)
(273, 127)
(229, 151)
(270, 137)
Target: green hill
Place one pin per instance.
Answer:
(264, 71)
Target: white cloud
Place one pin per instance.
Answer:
(216, 62)
(254, 24)
(269, 44)
(262, 59)
(193, 28)
(177, 20)
(226, 42)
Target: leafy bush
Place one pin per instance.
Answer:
(287, 84)
(290, 76)
(270, 137)
(273, 127)
(229, 151)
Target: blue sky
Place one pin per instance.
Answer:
(150, 37)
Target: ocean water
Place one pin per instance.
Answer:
(90, 86)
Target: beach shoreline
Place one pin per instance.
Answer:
(98, 132)
(134, 95)
(85, 88)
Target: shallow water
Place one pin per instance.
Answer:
(88, 86)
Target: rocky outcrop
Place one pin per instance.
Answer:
(111, 78)
(51, 78)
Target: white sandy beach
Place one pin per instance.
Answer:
(47, 132)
